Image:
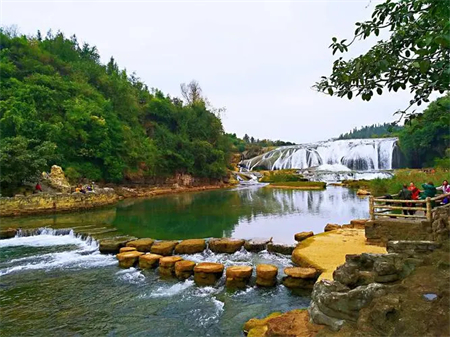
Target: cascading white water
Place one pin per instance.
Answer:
(354, 154)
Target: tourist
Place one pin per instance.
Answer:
(38, 188)
(445, 188)
(429, 191)
(405, 194)
(414, 196)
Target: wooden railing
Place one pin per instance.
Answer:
(381, 206)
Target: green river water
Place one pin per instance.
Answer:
(55, 283)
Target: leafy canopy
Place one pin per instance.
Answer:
(415, 56)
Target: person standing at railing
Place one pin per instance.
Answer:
(405, 194)
(445, 188)
(429, 191)
(414, 196)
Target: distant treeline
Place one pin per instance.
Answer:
(373, 131)
(248, 142)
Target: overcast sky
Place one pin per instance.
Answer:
(257, 59)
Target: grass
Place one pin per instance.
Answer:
(281, 176)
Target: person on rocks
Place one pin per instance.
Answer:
(414, 196)
(445, 188)
(405, 194)
(38, 188)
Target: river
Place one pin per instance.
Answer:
(60, 285)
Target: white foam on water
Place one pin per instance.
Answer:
(44, 240)
(169, 291)
(131, 275)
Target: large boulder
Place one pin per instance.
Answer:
(225, 245)
(128, 259)
(302, 236)
(111, 246)
(141, 245)
(164, 248)
(208, 273)
(57, 179)
(148, 261)
(191, 246)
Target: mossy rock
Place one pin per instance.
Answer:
(111, 246)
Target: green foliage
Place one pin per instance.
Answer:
(415, 55)
(101, 121)
(250, 143)
(427, 137)
(282, 176)
(373, 131)
(443, 163)
(301, 184)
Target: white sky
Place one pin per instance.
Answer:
(258, 59)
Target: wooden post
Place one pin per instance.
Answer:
(371, 208)
(429, 215)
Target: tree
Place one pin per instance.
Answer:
(246, 138)
(191, 92)
(414, 56)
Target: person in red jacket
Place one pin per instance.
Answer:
(414, 196)
(38, 187)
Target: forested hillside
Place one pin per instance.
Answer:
(372, 131)
(59, 104)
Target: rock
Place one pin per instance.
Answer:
(191, 246)
(412, 248)
(141, 245)
(346, 274)
(281, 248)
(164, 248)
(128, 259)
(184, 269)
(57, 179)
(387, 278)
(318, 317)
(359, 223)
(382, 312)
(331, 227)
(366, 277)
(256, 322)
(266, 275)
(148, 261)
(8, 233)
(256, 245)
(167, 265)
(362, 192)
(127, 249)
(302, 236)
(207, 273)
(238, 276)
(225, 245)
(298, 277)
(111, 246)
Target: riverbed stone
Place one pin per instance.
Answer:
(208, 273)
(303, 235)
(281, 248)
(184, 269)
(148, 261)
(127, 249)
(359, 223)
(167, 265)
(128, 259)
(164, 248)
(256, 245)
(8, 233)
(266, 275)
(142, 245)
(298, 277)
(238, 276)
(331, 227)
(362, 192)
(111, 246)
(191, 246)
(226, 245)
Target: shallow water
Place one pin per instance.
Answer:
(58, 284)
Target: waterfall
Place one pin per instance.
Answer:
(348, 154)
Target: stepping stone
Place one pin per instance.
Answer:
(141, 245)
(302, 236)
(128, 259)
(184, 269)
(191, 246)
(167, 265)
(127, 249)
(266, 275)
(164, 248)
(256, 245)
(281, 248)
(148, 261)
(298, 277)
(8, 233)
(208, 273)
(226, 245)
(111, 246)
(238, 276)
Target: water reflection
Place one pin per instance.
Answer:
(244, 213)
